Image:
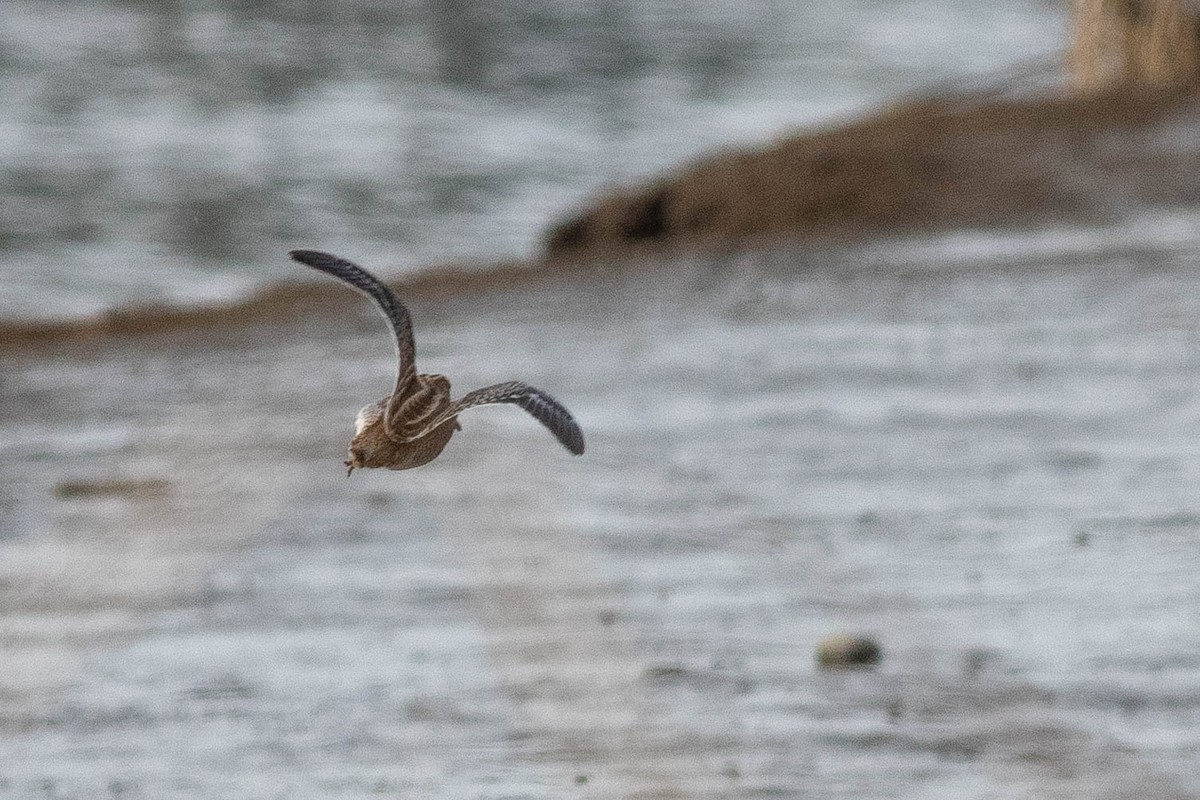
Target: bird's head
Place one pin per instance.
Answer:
(357, 459)
(366, 431)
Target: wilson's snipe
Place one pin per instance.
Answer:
(413, 425)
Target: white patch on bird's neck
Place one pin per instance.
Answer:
(368, 415)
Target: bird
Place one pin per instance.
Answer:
(410, 427)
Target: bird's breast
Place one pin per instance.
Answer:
(422, 451)
(381, 451)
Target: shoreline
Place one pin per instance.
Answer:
(807, 187)
(932, 163)
(259, 307)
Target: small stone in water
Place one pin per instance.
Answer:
(115, 487)
(839, 652)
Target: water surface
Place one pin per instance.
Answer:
(989, 464)
(169, 152)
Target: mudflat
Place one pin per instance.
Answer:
(980, 453)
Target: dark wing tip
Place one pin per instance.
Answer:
(571, 436)
(313, 258)
(577, 448)
(555, 417)
(568, 433)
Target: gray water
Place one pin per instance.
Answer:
(987, 460)
(170, 151)
(978, 448)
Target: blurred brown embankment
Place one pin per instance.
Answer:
(927, 164)
(261, 311)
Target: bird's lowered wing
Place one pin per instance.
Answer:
(544, 408)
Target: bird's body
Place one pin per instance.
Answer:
(412, 426)
(373, 447)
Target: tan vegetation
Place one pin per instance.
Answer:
(930, 163)
(1147, 42)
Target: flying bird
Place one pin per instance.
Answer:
(412, 425)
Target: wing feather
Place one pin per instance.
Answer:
(392, 309)
(540, 405)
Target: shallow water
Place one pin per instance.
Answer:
(170, 152)
(989, 464)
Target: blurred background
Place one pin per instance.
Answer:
(214, 137)
(964, 456)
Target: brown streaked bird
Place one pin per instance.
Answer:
(412, 426)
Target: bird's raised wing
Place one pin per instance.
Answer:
(393, 310)
(544, 408)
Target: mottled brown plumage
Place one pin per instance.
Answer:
(411, 426)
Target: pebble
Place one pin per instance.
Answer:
(841, 652)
